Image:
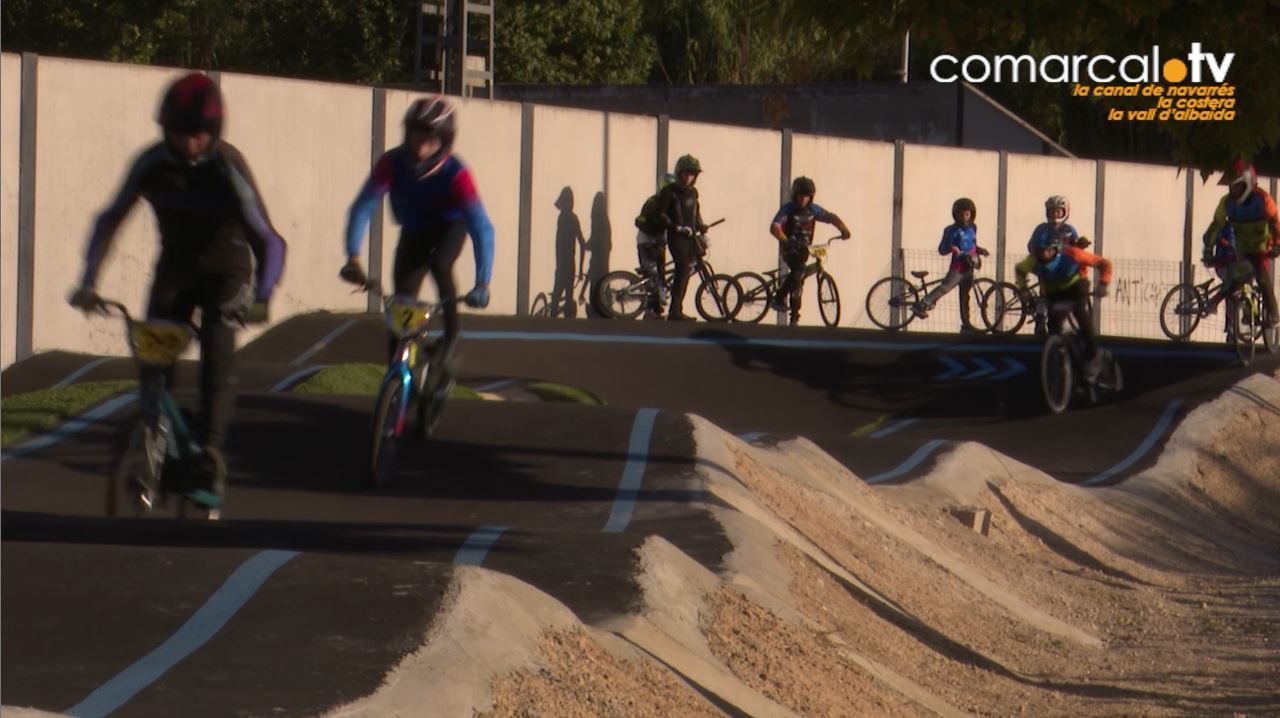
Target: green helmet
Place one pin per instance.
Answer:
(688, 163)
(803, 186)
(667, 179)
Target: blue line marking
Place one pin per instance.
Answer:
(477, 546)
(82, 371)
(203, 625)
(296, 377)
(1162, 425)
(98, 412)
(495, 385)
(324, 342)
(637, 456)
(956, 368)
(912, 462)
(822, 344)
(987, 368)
(751, 436)
(881, 433)
(1015, 367)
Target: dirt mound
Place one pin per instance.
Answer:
(985, 588)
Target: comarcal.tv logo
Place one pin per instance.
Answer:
(1198, 66)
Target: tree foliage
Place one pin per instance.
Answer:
(572, 41)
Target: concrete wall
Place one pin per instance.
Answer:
(488, 142)
(10, 112)
(938, 177)
(855, 180)
(631, 179)
(740, 182)
(1143, 228)
(80, 167)
(568, 174)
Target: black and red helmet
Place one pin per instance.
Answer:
(192, 104)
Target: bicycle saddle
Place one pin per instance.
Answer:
(919, 275)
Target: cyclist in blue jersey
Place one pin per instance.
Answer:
(960, 242)
(434, 198)
(1057, 210)
(218, 250)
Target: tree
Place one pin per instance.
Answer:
(571, 41)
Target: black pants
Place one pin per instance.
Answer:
(796, 256)
(218, 279)
(420, 252)
(684, 250)
(653, 260)
(1078, 295)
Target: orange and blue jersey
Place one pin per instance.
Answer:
(430, 202)
(962, 237)
(1254, 220)
(1063, 271)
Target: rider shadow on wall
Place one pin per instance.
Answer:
(600, 245)
(569, 238)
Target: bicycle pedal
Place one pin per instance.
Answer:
(203, 497)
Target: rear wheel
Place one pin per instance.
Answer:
(1004, 308)
(620, 295)
(1181, 310)
(756, 297)
(388, 424)
(889, 303)
(1244, 322)
(828, 299)
(1055, 373)
(541, 307)
(718, 299)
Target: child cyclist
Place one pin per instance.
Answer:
(434, 198)
(793, 227)
(960, 241)
(218, 251)
(651, 248)
(1060, 268)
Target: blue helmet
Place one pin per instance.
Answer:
(1049, 241)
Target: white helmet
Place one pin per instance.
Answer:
(1053, 203)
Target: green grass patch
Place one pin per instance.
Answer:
(550, 391)
(24, 414)
(361, 379)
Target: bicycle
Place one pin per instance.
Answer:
(155, 463)
(404, 386)
(1065, 357)
(890, 299)
(1185, 304)
(1006, 308)
(542, 308)
(622, 294)
(759, 293)
(1248, 323)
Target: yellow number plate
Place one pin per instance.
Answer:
(159, 342)
(405, 316)
(820, 252)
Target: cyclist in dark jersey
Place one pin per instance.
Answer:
(793, 227)
(218, 249)
(434, 198)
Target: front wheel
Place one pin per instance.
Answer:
(620, 295)
(1055, 373)
(756, 297)
(1181, 310)
(1244, 323)
(718, 298)
(889, 303)
(1004, 309)
(134, 486)
(828, 299)
(384, 438)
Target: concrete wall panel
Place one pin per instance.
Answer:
(855, 181)
(740, 183)
(10, 114)
(633, 147)
(568, 173)
(488, 142)
(80, 167)
(307, 144)
(933, 179)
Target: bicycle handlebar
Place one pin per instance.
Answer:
(374, 285)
